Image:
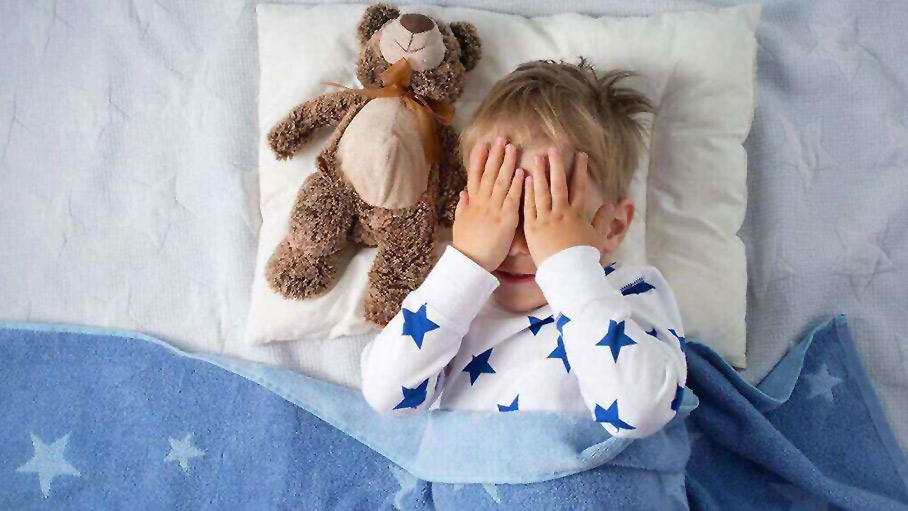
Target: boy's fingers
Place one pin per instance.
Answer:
(477, 162)
(579, 179)
(492, 166)
(516, 187)
(529, 200)
(541, 187)
(461, 204)
(559, 182)
(505, 174)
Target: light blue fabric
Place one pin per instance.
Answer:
(95, 418)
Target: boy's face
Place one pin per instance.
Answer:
(518, 291)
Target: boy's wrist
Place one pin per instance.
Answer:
(573, 277)
(457, 287)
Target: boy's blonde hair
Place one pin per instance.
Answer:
(572, 106)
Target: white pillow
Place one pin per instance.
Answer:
(690, 188)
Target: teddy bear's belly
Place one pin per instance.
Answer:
(381, 155)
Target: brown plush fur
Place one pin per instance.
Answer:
(329, 214)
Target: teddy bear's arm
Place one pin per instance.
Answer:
(452, 177)
(294, 130)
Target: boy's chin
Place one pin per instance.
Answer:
(519, 298)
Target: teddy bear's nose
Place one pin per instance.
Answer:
(416, 23)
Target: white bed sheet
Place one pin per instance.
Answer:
(128, 184)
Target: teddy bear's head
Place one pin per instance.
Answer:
(439, 54)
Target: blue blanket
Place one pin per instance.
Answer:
(113, 419)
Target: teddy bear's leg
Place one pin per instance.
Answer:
(306, 262)
(297, 276)
(406, 244)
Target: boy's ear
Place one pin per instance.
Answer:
(612, 224)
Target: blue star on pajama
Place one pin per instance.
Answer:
(637, 287)
(479, 365)
(417, 324)
(679, 395)
(653, 333)
(413, 397)
(536, 324)
(562, 320)
(615, 338)
(609, 269)
(610, 416)
(681, 340)
(560, 353)
(511, 407)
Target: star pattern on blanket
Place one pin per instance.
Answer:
(513, 407)
(611, 416)
(821, 383)
(413, 397)
(839, 44)
(417, 324)
(492, 491)
(479, 365)
(182, 451)
(799, 499)
(407, 483)
(536, 324)
(560, 353)
(765, 265)
(615, 338)
(48, 462)
(861, 259)
(805, 151)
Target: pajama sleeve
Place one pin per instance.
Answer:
(403, 367)
(624, 345)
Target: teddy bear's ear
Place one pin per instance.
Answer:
(374, 18)
(470, 44)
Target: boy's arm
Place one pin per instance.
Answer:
(626, 351)
(403, 367)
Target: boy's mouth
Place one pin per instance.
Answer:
(506, 277)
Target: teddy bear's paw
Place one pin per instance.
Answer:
(297, 276)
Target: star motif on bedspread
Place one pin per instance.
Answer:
(821, 383)
(479, 365)
(615, 338)
(182, 451)
(154, 208)
(799, 499)
(407, 483)
(839, 44)
(413, 397)
(48, 463)
(417, 324)
(611, 416)
(492, 491)
(861, 260)
(805, 151)
(536, 324)
(766, 266)
(560, 353)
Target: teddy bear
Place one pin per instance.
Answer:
(390, 174)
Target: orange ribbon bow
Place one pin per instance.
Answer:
(396, 81)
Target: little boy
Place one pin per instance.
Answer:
(519, 313)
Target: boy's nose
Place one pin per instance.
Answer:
(519, 245)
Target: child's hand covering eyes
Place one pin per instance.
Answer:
(554, 218)
(488, 211)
